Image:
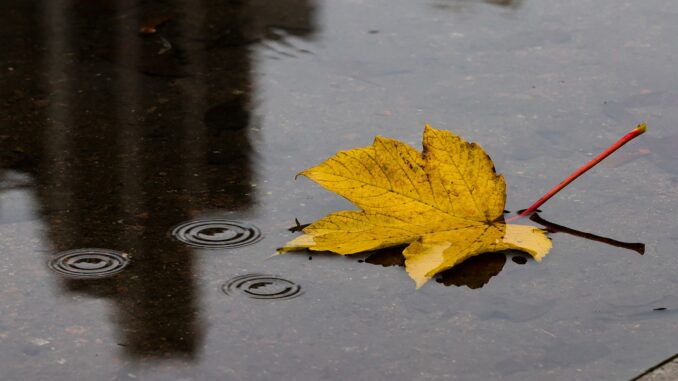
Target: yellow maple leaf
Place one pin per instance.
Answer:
(446, 203)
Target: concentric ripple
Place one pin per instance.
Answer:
(88, 263)
(262, 286)
(217, 233)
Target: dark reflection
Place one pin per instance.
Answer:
(555, 228)
(519, 259)
(126, 135)
(460, 4)
(392, 256)
(473, 273)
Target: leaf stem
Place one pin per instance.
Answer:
(627, 138)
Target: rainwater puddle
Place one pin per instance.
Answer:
(121, 119)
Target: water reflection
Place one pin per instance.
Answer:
(638, 247)
(125, 136)
(477, 271)
(458, 5)
(473, 273)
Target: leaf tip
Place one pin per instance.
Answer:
(379, 139)
(278, 252)
(428, 130)
(304, 241)
(302, 173)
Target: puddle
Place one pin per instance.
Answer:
(120, 119)
(88, 263)
(262, 286)
(217, 233)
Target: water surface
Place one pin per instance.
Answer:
(110, 139)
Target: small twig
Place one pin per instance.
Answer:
(299, 227)
(627, 138)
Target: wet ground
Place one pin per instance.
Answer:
(173, 152)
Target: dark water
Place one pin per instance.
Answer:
(110, 139)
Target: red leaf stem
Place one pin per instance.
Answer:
(627, 138)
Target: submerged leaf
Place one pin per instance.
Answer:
(447, 203)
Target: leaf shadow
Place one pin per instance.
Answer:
(473, 273)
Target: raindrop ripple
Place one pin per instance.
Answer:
(262, 286)
(88, 263)
(217, 233)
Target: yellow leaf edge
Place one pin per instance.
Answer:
(526, 238)
(424, 260)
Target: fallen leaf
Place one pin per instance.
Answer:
(446, 204)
